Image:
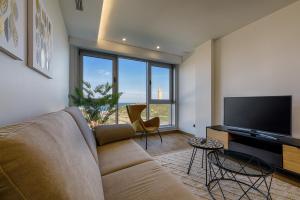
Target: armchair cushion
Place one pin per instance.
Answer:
(151, 129)
(154, 122)
(111, 133)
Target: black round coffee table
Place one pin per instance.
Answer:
(206, 145)
(248, 172)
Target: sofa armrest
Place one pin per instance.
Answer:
(111, 133)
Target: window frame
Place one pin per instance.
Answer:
(114, 60)
(171, 82)
(117, 74)
(149, 65)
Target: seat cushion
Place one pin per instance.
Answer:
(85, 129)
(47, 158)
(151, 129)
(120, 155)
(146, 181)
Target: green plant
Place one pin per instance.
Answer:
(97, 104)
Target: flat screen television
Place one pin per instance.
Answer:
(269, 114)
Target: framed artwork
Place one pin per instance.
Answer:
(12, 28)
(40, 36)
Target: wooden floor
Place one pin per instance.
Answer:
(175, 141)
(172, 141)
(289, 179)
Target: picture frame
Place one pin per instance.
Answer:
(13, 28)
(40, 38)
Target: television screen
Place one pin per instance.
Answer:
(270, 114)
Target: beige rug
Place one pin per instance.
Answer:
(177, 163)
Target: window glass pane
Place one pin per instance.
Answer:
(123, 115)
(132, 83)
(160, 83)
(98, 71)
(112, 119)
(163, 111)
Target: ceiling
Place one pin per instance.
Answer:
(177, 26)
(82, 24)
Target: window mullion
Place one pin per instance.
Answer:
(116, 85)
(148, 90)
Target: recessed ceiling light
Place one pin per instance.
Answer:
(124, 39)
(158, 47)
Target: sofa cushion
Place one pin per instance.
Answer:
(144, 181)
(106, 134)
(120, 155)
(85, 129)
(47, 158)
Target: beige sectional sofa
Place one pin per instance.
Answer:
(55, 156)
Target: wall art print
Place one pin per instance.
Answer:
(40, 38)
(12, 28)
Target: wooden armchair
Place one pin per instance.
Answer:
(146, 127)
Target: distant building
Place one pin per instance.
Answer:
(159, 93)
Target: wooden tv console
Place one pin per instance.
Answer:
(281, 151)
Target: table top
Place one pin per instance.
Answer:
(240, 163)
(203, 143)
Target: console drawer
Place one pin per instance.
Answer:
(219, 135)
(291, 158)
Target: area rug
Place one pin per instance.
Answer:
(177, 163)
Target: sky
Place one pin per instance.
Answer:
(132, 77)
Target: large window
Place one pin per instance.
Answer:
(140, 81)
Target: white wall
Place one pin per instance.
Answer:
(195, 90)
(262, 58)
(23, 92)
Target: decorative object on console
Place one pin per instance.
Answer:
(40, 33)
(12, 26)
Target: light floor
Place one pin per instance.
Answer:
(176, 141)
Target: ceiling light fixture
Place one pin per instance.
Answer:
(158, 47)
(124, 39)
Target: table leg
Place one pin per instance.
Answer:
(205, 167)
(192, 159)
(202, 158)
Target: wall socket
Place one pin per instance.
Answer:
(194, 125)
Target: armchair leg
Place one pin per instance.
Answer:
(159, 136)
